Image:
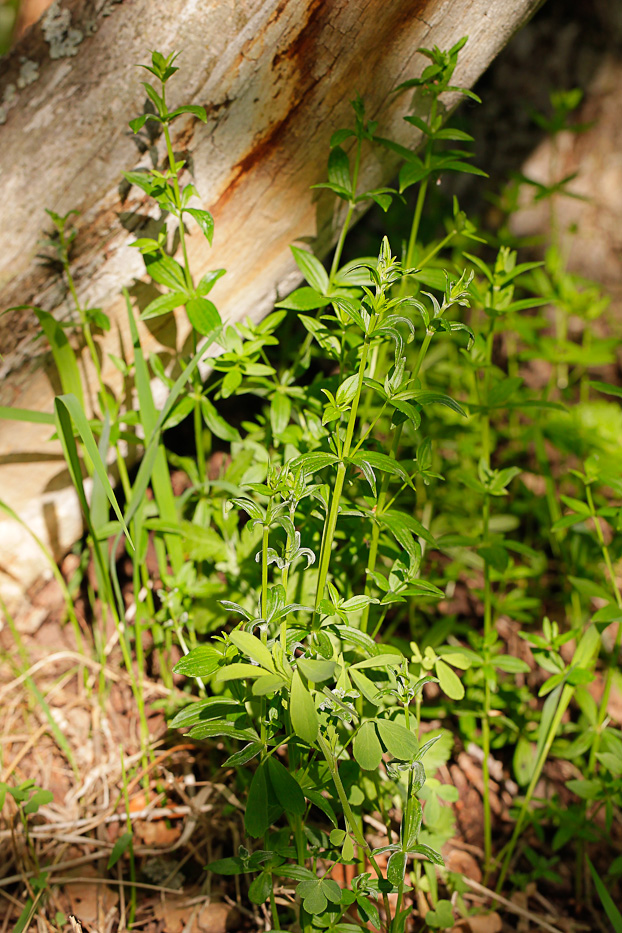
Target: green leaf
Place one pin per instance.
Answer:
(317, 671)
(399, 740)
(607, 388)
(26, 414)
(246, 754)
(120, 847)
(303, 299)
(142, 180)
(339, 169)
(314, 899)
(586, 790)
(524, 760)
(438, 398)
(204, 220)
(208, 281)
(199, 662)
(216, 423)
(511, 665)
(163, 304)
(241, 672)
(256, 815)
(260, 888)
(203, 315)
(312, 269)
(286, 788)
(193, 109)
(67, 409)
(610, 613)
(251, 646)
(166, 271)
(396, 868)
(313, 462)
(613, 914)
(449, 682)
(211, 730)
(430, 854)
(227, 866)
(63, 354)
(204, 710)
(280, 412)
(366, 747)
(303, 714)
(380, 660)
(366, 686)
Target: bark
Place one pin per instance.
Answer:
(275, 77)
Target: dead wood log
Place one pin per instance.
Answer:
(275, 77)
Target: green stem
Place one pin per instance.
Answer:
(285, 578)
(487, 615)
(384, 488)
(486, 716)
(349, 815)
(407, 822)
(612, 665)
(198, 439)
(128, 827)
(331, 523)
(274, 910)
(346, 224)
(565, 698)
(176, 188)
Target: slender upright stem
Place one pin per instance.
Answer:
(173, 167)
(611, 667)
(349, 815)
(407, 819)
(486, 716)
(384, 488)
(346, 224)
(564, 701)
(331, 522)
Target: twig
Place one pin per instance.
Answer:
(34, 738)
(71, 879)
(513, 908)
(94, 665)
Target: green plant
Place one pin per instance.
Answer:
(378, 468)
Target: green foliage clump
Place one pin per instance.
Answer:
(384, 472)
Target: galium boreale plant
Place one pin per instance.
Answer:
(312, 684)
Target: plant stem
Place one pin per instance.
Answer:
(384, 488)
(486, 716)
(128, 828)
(173, 168)
(346, 224)
(198, 437)
(331, 522)
(565, 698)
(611, 667)
(407, 822)
(350, 817)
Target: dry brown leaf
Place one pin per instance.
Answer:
(463, 863)
(157, 833)
(83, 898)
(212, 917)
(485, 923)
(174, 916)
(217, 918)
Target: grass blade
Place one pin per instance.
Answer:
(26, 414)
(67, 411)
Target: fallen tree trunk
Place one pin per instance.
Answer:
(275, 78)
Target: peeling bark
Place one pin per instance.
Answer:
(275, 78)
